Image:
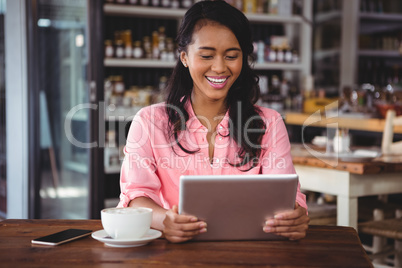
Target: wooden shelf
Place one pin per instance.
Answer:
(112, 169)
(145, 63)
(327, 16)
(379, 53)
(171, 13)
(140, 11)
(364, 124)
(277, 66)
(139, 63)
(381, 16)
(325, 53)
(268, 18)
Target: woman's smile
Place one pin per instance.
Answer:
(217, 81)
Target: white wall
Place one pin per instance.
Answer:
(16, 109)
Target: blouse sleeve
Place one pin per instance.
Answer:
(276, 157)
(137, 176)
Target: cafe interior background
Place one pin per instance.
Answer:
(73, 73)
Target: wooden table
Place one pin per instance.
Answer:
(348, 180)
(324, 246)
(318, 120)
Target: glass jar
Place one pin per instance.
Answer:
(155, 3)
(120, 1)
(133, 2)
(144, 2)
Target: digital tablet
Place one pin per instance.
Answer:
(235, 207)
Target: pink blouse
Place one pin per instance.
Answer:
(151, 168)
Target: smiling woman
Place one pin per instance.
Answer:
(210, 121)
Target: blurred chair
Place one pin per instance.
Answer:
(383, 230)
(387, 145)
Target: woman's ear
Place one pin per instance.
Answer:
(183, 58)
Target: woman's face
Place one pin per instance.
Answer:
(214, 59)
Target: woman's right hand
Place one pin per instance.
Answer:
(180, 228)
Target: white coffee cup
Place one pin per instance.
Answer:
(126, 223)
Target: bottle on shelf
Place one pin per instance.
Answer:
(109, 49)
(295, 57)
(155, 45)
(138, 53)
(118, 85)
(119, 49)
(165, 3)
(260, 6)
(263, 84)
(186, 3)
(170, 50)
(288, 54)
(132, 92)
(162, 39)
(260, 52)
(275, 86)
(250, 6)
(133, 2)
(146, 42)
(275, 97)
(155, 3)
(238, 4)
(108, 90)
(273, 7)
(272, 54)
(280, 55)
(128, 47)
(175, 4)
(111, 151)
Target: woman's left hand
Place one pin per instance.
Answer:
(292, 224)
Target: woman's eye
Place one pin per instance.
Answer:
(206, 57)
(232, 57)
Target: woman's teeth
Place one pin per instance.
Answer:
(216, 81)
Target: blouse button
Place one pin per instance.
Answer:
(217, 160)
(220, 138)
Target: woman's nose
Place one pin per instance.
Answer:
(219, 65)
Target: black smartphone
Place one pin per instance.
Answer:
(61, 237)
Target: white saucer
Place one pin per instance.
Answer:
(102, 236)
(356, 156)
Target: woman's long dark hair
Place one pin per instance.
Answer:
(242, 95)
